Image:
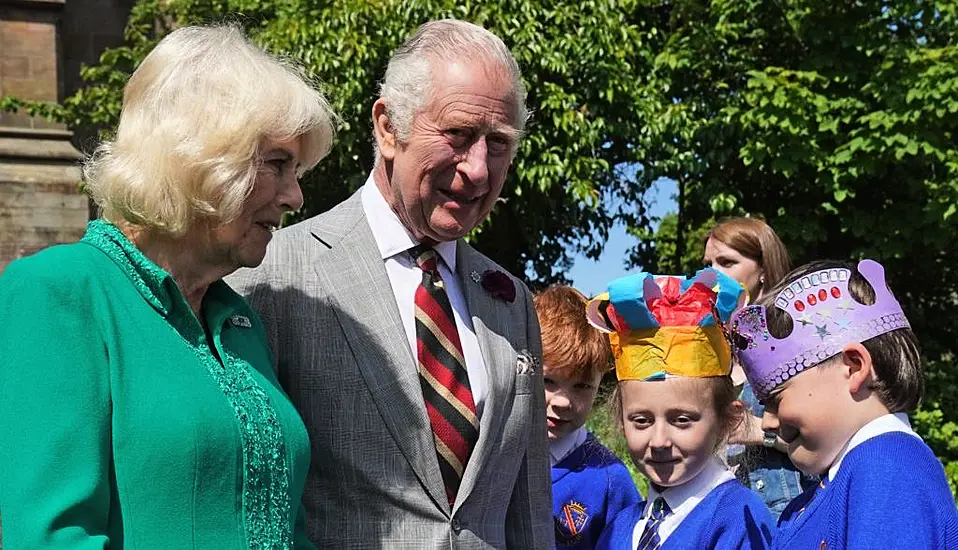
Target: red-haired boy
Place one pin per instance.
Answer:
(590, 485)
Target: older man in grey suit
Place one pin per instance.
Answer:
(412, 357)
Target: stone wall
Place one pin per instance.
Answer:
(42, 46)
(40, 203)
(28, 56)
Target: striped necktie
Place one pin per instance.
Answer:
(650, 537)
(443, 375)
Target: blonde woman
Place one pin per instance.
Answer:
(138, 405)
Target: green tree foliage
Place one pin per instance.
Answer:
(580, 60)
(833, 120)
(836, 121)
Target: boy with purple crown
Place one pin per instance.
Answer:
(833, 358)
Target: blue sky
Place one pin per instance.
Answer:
(592, 276)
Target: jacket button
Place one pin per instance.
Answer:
(760, 484)
(456, 525)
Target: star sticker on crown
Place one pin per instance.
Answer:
(843, 323)
(824, 313)
(846, 305)
(805, 319)
(822, 331)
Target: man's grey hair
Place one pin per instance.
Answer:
(407, 85)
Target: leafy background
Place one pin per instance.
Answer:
(834, 121)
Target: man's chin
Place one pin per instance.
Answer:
(444, 226)
(444, 232)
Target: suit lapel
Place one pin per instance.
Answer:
(491, 322)
(362, 298)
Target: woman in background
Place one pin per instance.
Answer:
(748, 250)
(138, 405)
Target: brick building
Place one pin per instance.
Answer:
(42, 45)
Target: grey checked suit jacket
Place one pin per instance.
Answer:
(343, 357)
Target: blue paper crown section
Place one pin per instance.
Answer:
(628, 295)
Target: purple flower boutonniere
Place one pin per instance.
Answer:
(499, 285)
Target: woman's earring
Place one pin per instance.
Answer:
(761, 280)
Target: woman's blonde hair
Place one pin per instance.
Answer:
(195, 113)
(754, 239)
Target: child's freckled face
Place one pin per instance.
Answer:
(671, 427)
(808, 413)
(569, 400)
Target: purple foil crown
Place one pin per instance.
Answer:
(825, 319)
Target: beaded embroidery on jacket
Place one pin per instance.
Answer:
(266, 506)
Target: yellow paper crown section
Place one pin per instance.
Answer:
(677, 351)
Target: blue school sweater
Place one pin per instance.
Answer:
(890, 492)
(589, 487)
(731, 517)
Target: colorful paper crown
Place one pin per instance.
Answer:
(663, 325)
(825, 319)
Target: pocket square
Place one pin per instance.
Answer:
(526, 363)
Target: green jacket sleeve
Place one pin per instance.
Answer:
(54, 411)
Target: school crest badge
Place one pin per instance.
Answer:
(571, 523)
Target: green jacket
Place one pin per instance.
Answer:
(118, 426)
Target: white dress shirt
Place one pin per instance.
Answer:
(393, 240)
(897, 422)
(682, 499)
(563, 447)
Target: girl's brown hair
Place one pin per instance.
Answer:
(754, 239)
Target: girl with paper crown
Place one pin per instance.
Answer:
(676, 405)
(832, 356)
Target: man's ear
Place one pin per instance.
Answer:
(858, 364)
(383, 130)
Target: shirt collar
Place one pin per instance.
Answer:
(563, 447)
(683, 498)
(897, 422)
(391, 235)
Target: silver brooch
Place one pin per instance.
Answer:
(240, 321)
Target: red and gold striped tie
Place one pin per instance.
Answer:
(443, 375)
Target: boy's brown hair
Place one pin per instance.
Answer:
(570, 345)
